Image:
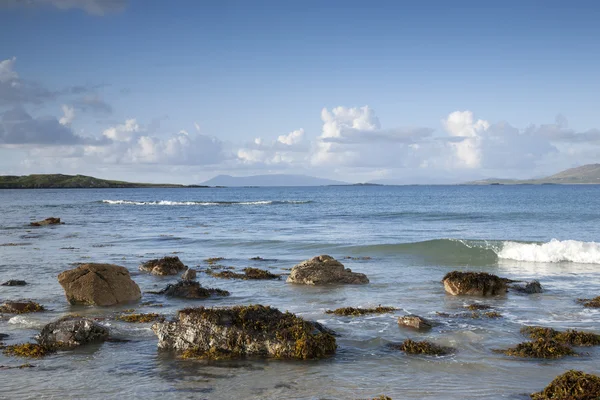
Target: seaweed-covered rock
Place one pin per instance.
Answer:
(323, 270)
(569, 337)
(163, 266)
(415, 322)
(474, 284)
(99, 284)
(189, 275)
(539, 348)
(249, 274)
(70, 332)
(47, 221)
(240, 331)
(591, 303)
(190, 290)
(424, 347)
(14, 282)
(20, 307)
(354, 312)
(529, 288)
(28, 350)
(572, 385)
(141, 318)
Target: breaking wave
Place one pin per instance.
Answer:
(480, 252)
(203, 203)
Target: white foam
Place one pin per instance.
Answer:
(23, 321)
(552, 252)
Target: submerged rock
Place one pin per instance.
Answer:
(14, 282)
(591, 303)
(163, 266)
(47, 221)
(190, 290)
(424, 347)
(71, 331)
(572, 385)
(568, 337)
(323, 270)
(189, 275)
(529, 288)
(416, 322)
(354, 312)
(249, 274)
(141, 318)
(28, 350)
(243, 331)
(474, 284)
(20, 307)
(539, 348)
(99, 284)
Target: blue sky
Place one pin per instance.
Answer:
(417, 92)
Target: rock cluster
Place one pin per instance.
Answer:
(163, 266)
(323, 270)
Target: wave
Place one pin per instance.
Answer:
(484, 252)
(203, 203)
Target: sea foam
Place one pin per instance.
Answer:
(202, 203)
(552, 252)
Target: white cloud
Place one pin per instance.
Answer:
(123, 132)
(68, 117)
(292, 138)
(93, 7)
(462, 125)
(7, 72)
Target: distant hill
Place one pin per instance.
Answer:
(270, 180)
(59, 181)
(585, 175)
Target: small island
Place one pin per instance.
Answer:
(59, 181)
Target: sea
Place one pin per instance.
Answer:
(405, 238)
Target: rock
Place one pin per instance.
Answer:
(20, 307)
(416, 322)
(99, 284)
(190, 290)
(14, 282)
(474, 284)
(3, 336)
(572, 385)
(243, 331)
(70, 332)
(189, 275)
(530, 288)
(324, 270)
(163, 266)
(47, 221)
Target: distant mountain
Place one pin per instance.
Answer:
(585, 175)
(59, 181)
(270, 180)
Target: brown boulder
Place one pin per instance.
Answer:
(474, 284)
(163, 266)
(323, 270)
(99, 284)
(414, 321)
(47, 221)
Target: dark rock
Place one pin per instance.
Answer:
(243, 331)
(189, 275)
(190, 290)
(530, 288)
(572, 385)
(323, 270)
(14, 282)
(4, 336)
(163, 266)
(47, 221)
(20, 307)
(474, 284)
(70, 332)
(415, 322)
(99, 284)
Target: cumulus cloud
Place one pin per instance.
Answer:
(69, 115)
(292, 138)
(20, 128)
(123, 132)
(460, 124)
(93, 7)
(286, 151)
(14, 90)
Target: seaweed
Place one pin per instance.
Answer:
(355, 312)
(568, 337)
(141, 318)
(492, 314)
(21, 307)
(29, 350)
(249, 274)
(591, 303)
(539, 348)
(477, 306)
(260, 319)
(213, 260)
(410, 346)
(572, 385)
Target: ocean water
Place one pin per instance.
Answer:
(413, 236)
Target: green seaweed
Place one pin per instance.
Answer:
(141, 318)
(572, 385)
(21, 307)
(355, 312)
(539, 348)
(568, 337)
(28, 350)
(424, 347)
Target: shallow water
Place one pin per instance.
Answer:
(413, 236)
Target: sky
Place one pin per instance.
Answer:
(380, 91)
